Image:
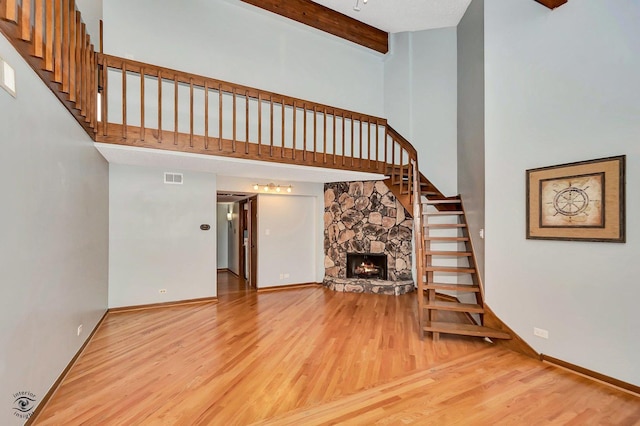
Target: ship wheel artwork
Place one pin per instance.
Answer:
(571, 201)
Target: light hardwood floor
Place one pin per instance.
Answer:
(308, 357)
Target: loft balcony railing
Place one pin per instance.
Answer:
(125, 102)
(151, 106)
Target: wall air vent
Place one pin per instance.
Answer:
(173, 178)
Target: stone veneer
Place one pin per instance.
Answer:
(365, 217)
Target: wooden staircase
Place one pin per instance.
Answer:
(448, 276)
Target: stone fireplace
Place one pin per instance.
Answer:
(365, 219)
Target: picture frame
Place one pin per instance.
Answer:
(581, 201)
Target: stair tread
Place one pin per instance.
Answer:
(443, 201)
(465, 329)
(452, 287)
(447, 238)
(445, 225)
(448, 253)
(454, 306)
(444, 213)
(450, 269)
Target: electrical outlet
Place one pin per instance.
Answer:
(281, 276)
(162, 291)
(540, 333)
(80, 329)
(286, 275)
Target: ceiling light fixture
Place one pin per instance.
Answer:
(267, 187)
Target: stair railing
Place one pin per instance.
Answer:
(51, 37)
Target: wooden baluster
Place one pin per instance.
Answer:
(304, 129)
(376, 126)
(105, 97)
(233, 142)
(282, 129)
(191, 112)
(25, 20)
(393, 161)
(78, 59)
(10, 11)
(324, 134)
(175, 110)
(159, 106)
(343, 139)
(73, 70)
(360, 143)
(87, 86)
(57, 39)
(38, 41)
(386, 147)
(206, 114)
(93, 66)
(315, 133)
(66, 71)
(124, 100)
(334, 137)
(81, 69)
(352, 140)
(259, 124)
(295, 125)
(246, 145)
(48, 34)
(220, 117)
(142, 106)
(369, 143)
(271, 127)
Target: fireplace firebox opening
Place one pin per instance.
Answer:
(367, 265)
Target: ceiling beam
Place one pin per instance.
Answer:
(327, 20)
(552, 4)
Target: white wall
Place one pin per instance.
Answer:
(397, 84)
(233, 41)
(562, 86)
(222, 235)
(54, 237)
(471, 123)
(91, 15)
(274, 214)
(434, 106)
(421, 97)
(155, 240)
(287, 242)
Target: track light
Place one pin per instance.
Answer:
(267, 187)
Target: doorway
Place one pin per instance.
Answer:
(248, 240)
(237, 238)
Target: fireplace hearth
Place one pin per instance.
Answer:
(367, 265)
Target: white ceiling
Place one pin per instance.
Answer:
(396, 16)
(224, 166)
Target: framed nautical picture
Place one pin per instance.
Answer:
(581, 201)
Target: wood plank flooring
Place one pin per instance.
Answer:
(312, 356)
